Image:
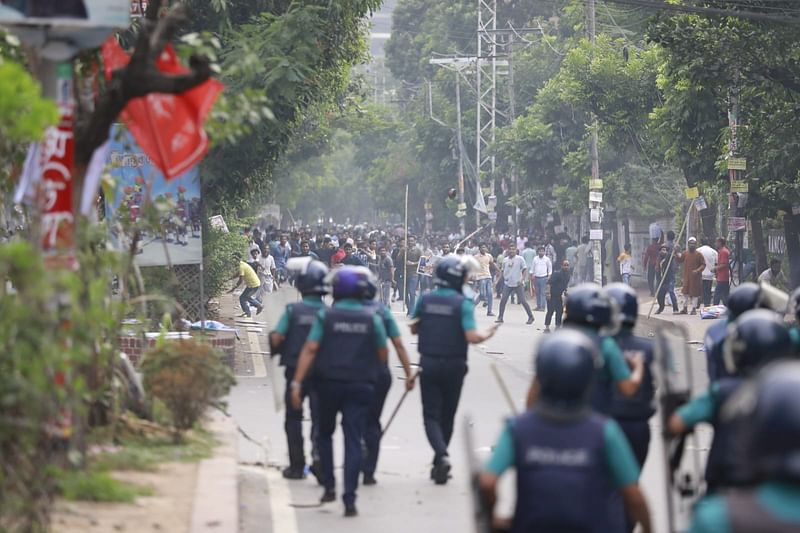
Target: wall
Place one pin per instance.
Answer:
(135, 346)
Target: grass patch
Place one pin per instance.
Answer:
(97, 486)
(145, 454)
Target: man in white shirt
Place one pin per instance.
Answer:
(483, 278)
(514, 271)
(528, 254)
(541, 269)
(710, 256)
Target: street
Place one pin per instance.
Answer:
(404, 498)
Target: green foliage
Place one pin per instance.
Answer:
(57, 336)
(97, 486)
(188, 376)
(218, 264)
(146, 454)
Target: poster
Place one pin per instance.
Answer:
(87, 13)
(692, 193)
(134, 175)
(737, 223)
(595, 196)
(596, 234)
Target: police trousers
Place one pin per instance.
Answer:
(293, 422)
(372, 433)
(353, 399)
(440, 386)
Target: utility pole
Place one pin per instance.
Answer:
(456, 64)
(486, 84)
(512, 112)
(595, 185)
(461, 203)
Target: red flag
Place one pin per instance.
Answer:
(168, 128)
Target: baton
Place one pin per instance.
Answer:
(397, 407)
(503, 388)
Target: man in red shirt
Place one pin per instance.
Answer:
(722, 273)
(650, 263)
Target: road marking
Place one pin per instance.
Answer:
(259, 368)
(284, 519)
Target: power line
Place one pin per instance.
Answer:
(710, 11)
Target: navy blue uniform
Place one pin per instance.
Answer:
(373, 431)
(632, 413)
(345, 370)
(295, 325)
(445, 315)
(713, 345)
(569, 471)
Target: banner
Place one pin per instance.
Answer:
(84, 13)
(137, 181)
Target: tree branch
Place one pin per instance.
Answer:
(139, 78)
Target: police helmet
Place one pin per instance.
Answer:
(587, 305)
(753, 340)
(313, 280)
(565, 365)
(348, 282)
(451, 272)
(744, 298)
(371, 287)
(627, 302)
(772, 404)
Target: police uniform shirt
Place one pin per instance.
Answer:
(619, 456)
(390, 324)
(700, 409)
(312, 300)
(317, 329)
(467, 308)
(780, 500)
(615, 368)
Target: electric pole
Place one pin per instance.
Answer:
(595, 185)
(461, 203)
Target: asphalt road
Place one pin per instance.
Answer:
(405, 500)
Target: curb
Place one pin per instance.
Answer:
(216, 497)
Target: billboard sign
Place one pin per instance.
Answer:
(178, 239)
(83, 23)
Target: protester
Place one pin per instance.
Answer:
(252, 283)
(722, 273)
(650, 265)
(385, 276)
(514, 271)
(667, 267)
(483, 278)
(774, 276)
(710, 258)
(693, 266)
(542, 269)
(625, 262)
(557, 285)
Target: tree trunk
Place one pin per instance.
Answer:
(708, 218)
(791, 229)
(759, 245)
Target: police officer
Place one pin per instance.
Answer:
(632, 413)
(346, 345)
(772, 444)
(444, 319)
(373, 432)
(571, 463)
(591, 311)
(756, 338)
(287, 340)
(745, 297)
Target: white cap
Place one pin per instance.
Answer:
(692, 239)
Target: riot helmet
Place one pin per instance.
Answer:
(587, 305)
(565, 364)
(627, 302)
(753, 340)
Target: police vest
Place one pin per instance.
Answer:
(747, 515)
(715, 336)
(440, 331)
(301, 317)
(347, 349)
(639, 406)
(725, 466)
(563, 479)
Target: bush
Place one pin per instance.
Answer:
(188, 376)
(218, 263)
